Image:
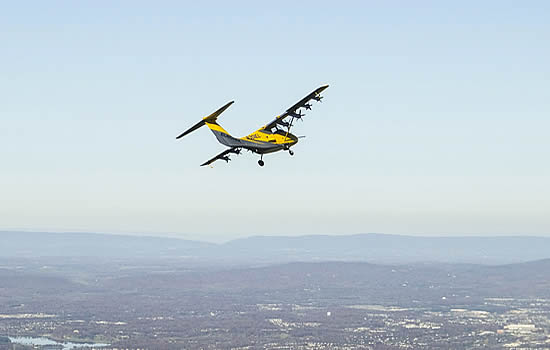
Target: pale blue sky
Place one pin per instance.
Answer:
(436, 120)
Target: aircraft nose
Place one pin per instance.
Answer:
(291, 139)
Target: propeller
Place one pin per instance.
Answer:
(282, 123)
(298, 115)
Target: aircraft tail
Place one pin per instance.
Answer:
(210, 121)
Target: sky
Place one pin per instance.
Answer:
(436, 120)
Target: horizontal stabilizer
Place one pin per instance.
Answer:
(209, 119)
(212, 117)
(191, 129)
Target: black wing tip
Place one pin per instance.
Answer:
(191, 129)
(227, 104)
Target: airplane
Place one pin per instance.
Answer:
(272, 137)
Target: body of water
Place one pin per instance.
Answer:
(46, 341)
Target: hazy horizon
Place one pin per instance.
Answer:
(220, 239)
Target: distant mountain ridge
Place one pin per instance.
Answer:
(69, 244)
(379, 248)
(398, 248)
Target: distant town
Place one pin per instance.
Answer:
(169, 303)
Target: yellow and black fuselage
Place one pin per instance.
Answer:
(261, 141)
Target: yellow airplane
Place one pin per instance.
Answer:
(270, 138)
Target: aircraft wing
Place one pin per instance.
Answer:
(292, 111)
(224, 156)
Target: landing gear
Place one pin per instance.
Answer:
(291, 152)
(261, 162)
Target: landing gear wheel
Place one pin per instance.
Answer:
(261, 162)
(291, 152)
